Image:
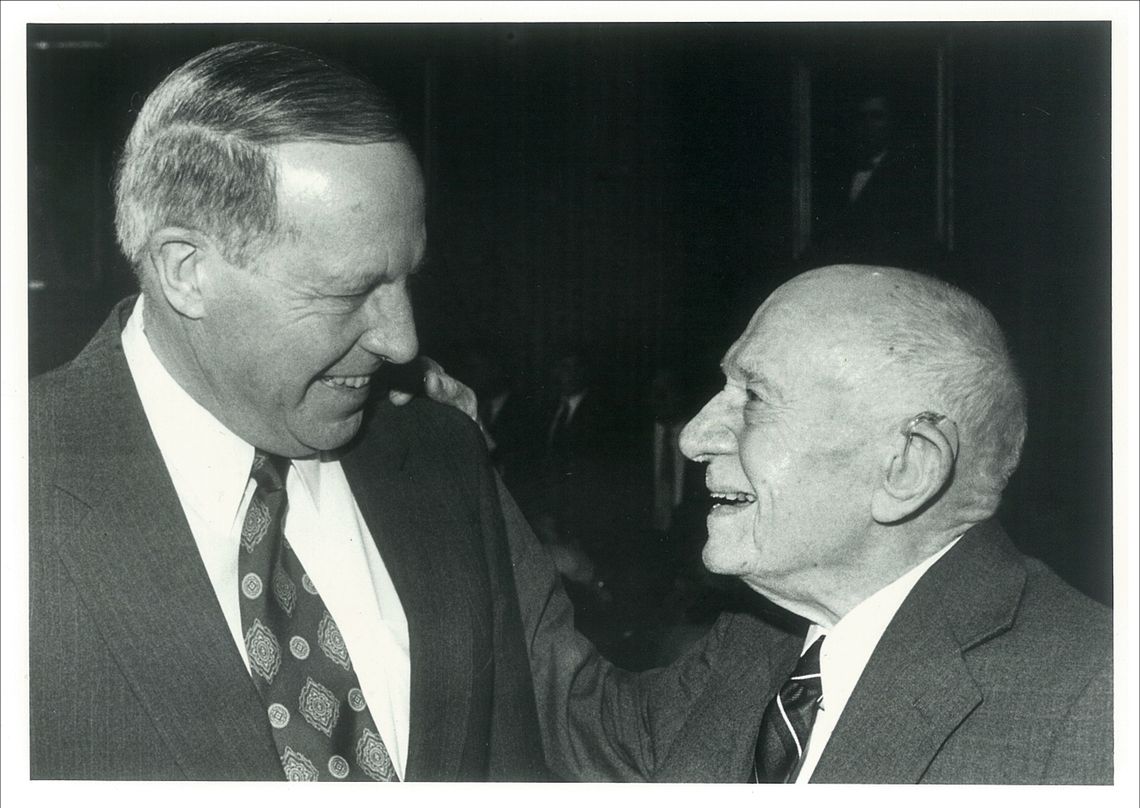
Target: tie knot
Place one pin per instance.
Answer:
(269, 470)
(809, 662)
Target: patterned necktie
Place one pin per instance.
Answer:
(297, 657)
(787, 721)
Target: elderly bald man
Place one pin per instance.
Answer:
(869, 421)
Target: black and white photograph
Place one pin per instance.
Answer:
(570, 395)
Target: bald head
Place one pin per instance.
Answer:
(869, 416)
(906, 343)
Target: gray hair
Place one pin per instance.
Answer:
(946, 344)
(200, 153)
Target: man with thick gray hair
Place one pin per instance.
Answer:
(869, 420)
(243, 564)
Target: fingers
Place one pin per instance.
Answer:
(446, 390)
(439, 387)
(443, 388)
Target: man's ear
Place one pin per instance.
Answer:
(918, 468)
(177, 256)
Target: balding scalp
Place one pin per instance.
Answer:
(949, 349)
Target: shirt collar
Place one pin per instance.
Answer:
(208, 463)
(852, 640)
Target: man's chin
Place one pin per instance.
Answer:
(723, 554)
(324, 437)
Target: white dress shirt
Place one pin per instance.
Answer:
(846, 649)
(210, 468)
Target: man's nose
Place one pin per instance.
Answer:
(709, 432)
(391, 327)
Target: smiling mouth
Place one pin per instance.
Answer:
(354, 382)
(731, 499)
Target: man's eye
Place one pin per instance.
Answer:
(356, 296)
(754, 397)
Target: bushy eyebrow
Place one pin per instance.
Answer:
(734, 368)
(748, 373)
(368, 278)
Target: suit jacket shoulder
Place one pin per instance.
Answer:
(133, 671)
(992, 671)
(423, 482)
(123, 686)
(692, 721)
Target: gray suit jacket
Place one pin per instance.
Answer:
(134, 673)
(992, 671)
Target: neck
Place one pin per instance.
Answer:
(825, 594)
(168, 334)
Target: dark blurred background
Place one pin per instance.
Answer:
(608, 203)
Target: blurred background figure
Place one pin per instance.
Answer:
(877, 198)
(668, 463)
(873, 143)
(574, 499)
(579, 462)
(506, 408)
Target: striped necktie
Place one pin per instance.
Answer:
(297, 656)
(787, 721)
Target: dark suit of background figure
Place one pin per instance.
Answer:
(557, 472)
(506, 408)
(566, 489)
(884, 217)
(134, 673)
(511, 426)
(992, 671)
(577, 479)
(890, 222)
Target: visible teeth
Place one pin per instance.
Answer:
(345, 381)
(732, 496)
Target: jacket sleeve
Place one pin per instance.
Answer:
(598, 722)
(515, 753)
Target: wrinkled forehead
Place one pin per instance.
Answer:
(342, 184)
(350, 212)
(802, 336)
(775, 328)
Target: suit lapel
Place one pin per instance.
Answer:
(916, 688)
(408, 514)
(136, 565)
(914, 692)
(717, 741)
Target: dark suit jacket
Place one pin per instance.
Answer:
(992, 671)
(133, 671)
(594, 480)
(890, 223)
